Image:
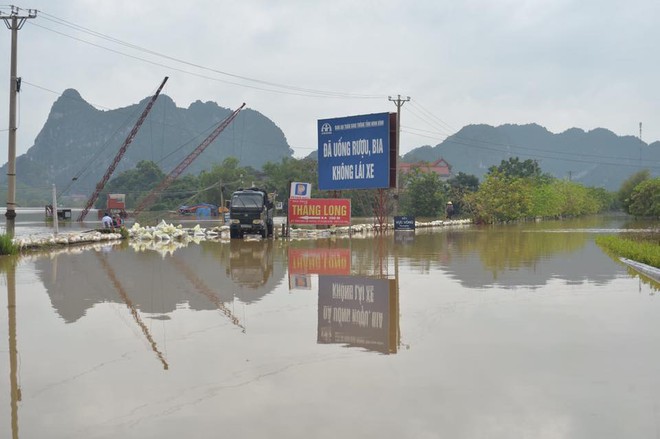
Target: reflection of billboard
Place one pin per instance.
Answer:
(320, 211)
(358, 311)
(300, 281)
(320, 260)
(354, 152)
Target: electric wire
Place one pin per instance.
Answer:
(422, 113)
(467, 141)
(87, 166)
(279, 88)
(88, 31)
(575, 160)
(424, 110)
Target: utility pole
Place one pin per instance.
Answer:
(14, 22)
(399, 103)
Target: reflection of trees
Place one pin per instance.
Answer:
(500, 250)
(520, 254)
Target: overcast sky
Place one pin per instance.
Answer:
(558, 63)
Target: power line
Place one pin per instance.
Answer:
(419, 106)
(462, 140)
(285, 89)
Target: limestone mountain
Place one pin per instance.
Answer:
(594, 158)
(79, 141)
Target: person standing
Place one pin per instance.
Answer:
(116, 220)
(449, 210)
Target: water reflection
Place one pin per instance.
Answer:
(100, 377)
(131, 306)
(8, 266)
(202, 277)
(359, 312)
(355, 311)
(250, 262)
(505, 256)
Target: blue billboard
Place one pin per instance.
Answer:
(354, 152)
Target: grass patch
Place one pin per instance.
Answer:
(646, 251)
(7, 246)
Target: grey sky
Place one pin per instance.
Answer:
(558, 63)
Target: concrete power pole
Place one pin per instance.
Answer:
(399, 103)
(14, 22)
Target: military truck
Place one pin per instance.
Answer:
(250, 212)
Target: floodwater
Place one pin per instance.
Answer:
(526, 331)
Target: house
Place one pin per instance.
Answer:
(440, 167)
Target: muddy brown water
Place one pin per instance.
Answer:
(498, 332)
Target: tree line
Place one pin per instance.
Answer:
(513, 190)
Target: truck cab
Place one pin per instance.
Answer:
(250, 212)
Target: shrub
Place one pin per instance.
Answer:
(7, 246)
(645, 199)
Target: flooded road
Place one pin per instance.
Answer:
(499, 332)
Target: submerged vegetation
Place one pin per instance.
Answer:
(641, 248)
(7, 246)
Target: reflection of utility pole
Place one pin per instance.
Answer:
(131, 306)
(399, 103)
(13, 349)
(14, 22)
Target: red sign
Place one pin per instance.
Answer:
(320, 211)
(320, 261)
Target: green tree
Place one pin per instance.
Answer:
(645, 199)
(501, 198)
(183, 190)
(458, 187)
(279, 175)
(628, 186)
(514, 168)
(218, 183)
(425, 194)
(135, 183)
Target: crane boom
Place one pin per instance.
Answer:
(101, 184)
(151, 197)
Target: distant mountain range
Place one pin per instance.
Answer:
(79, 141)
(594, 158)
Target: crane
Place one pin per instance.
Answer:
(101, 184)
(151, 196)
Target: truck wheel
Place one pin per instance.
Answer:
(263, 233)
(234, 234)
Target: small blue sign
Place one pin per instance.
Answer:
(354, 152)
(404, 223)
(300, 190)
